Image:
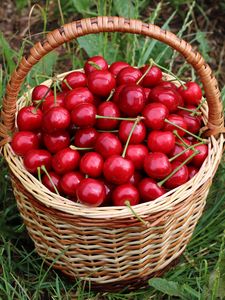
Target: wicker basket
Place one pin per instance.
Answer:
(107, 245)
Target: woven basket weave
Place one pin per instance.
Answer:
(108, 246)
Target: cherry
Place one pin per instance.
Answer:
(36, 158)
(191, 93)
(135, 178)
(108, 144)
(101, 82)
(109, 187)
(23, 141)
(117, 66)
(95, 63)
(84, 115)
(154, 115)
(167, 85)
(193, 122)
(29, 118)
(109, 109)
(65, 160)
(91, 192)
(51, 102)
(149, 190)
(77, 96)
(128, 75)
(56, 141)
(177, 120)
(180, 148)
(152, 77)
(179, 178)
(147, 92)
(137, 154)
(116, 95)
(85, 137)
(74, 80)
(40, 92)
(70, 181)
(56, 119)
(117, 169)
(198, 159)
(123, 193)
(55, 178)
(91, 164)
(132, 100)
(169, 97)
(157, 165)
(192, 171)
(161, 141)
(138, 134)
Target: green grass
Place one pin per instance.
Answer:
(201, 271)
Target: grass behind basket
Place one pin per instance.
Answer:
(23, 275)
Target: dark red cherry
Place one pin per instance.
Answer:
(56, 141)
(135, 178)
(117, 169)
(108, 109)
(192, 171)
(161, 141)
(191, 93)
(193, 122)
(78, 96)
(65, 160)
(157, 165)
(29, 118)
(55, 178)
(177, 120)
(198, 159)
(137, 154)
(109, 187)
(154, 115)
(69, 182)
(85, 137)
(40, 92)
(23, 141)
(84, 115)
(36, 158)
(153, 76)
(51, 102)
(123, 193)
(180, 148)
(56, 119)
(147, 92)
(108, 144)
(116, 94)
(117, 66)
(101, 82)
(167, 85)
(75, 80)
(91, 192)
(91, 164)
(179, 178)
(95, 63)
(132, 100)
(138, 134)
(128, 75)
(149, 190)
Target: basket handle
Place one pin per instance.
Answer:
(111, 24)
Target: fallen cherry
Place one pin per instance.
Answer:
(23, 141)
(91, 164)
(70, 181)
(65, 160)
(95, 63)
(74, 80)
(161, 141)
(56, 141)
(149, 190)
(154, 115)
(78, 96)
(123, 193)
(29, 118)
(138, 134)
(36, 158)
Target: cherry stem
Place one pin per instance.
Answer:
(195, 112)
(145, 73)
(127, 203)
(129, 136)
(116, 118)
(67, 84)
(180, 138)
(55, 93)
(108, 130)
(86, 175)
(110, 95)
(78, 148)
(185, 150)
(50, 179)
(177, 168)
(93, 64)
(39, 174)
(189, 110)
(190, 133)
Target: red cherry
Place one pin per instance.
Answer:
(137, 154)
(200, 158)
(91, 164)
(132, 100)
(74, 80)
(83, 115)
(117, 66)
(147, 92)
(24, 141)
(108, 189)
(91, 192)
(135, 178)
(179, 178)
(169, 97)
(51, 102)
(128, 75)
(157, 165)
(85, 137)
(29, 118)
(138, 134)
(192, 171)
(65, 160)
(192, 93)
(101, 82)
(56, 141)
(154, 115)
(108, 109)
(97, 60)
(116, 94)
(55, 179)
(69, 182)
(161, 141)
(36, 158)
(149, 190)
(117, 169)
(178, 149)
(56, 119)
(108, 144)
(193, 122)
(40, 92)
(123, 193)
(77, 96)
(167, 85)
(178, 120)
(153, 76)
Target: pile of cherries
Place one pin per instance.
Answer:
(113, 135)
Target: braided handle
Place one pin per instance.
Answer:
(111, 24)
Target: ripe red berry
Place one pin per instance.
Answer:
(116, 94)
(56, 119)
(97, 60)
(55, 178)
(91, 164)
(193, 122)
(40, 92)
(29, 118)
(84, 115)
(179, 178)
(108, 144)
(108, 109)
(192, 171)
(36, 158)
(56, 141)
(177, 120)
(198, 159)
(101, 82)
(123, 193)
(153, 76)
(78, 96)
(128, 75)
(167, 84)
(74, 79)
(157, 165)
(85, 137)
(137, 154)
(69, 182)
(191, 94)
(65, 160)
(154, 115)
(23, 141)
(135, 178)
(51, 102)
(161, 141)
(138, 134)
(117, 66)
(180, 148)
(149, 190)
